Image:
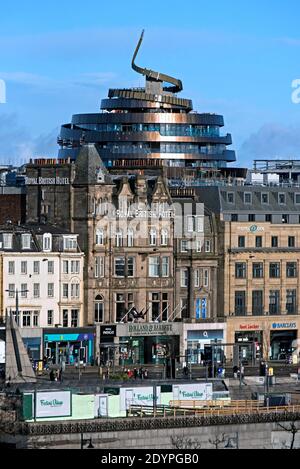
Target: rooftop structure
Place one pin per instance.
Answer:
(150, 127)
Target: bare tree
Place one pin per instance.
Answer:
(292, 429)
(185, 443)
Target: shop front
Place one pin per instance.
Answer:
(201, 337)
(142, 344)
(248, 339)
(107, 345)
(283, 341)
(265, 338)
(69, 345)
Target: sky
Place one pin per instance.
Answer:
(235, 58)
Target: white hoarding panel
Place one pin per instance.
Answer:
(193, 392)
(53, 404)
(142, 396)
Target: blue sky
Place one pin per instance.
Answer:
(236, 58)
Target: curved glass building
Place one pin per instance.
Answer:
(148, 127)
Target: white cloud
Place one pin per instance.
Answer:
(272, 140)
(18, 145)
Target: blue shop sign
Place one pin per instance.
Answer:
(68, 337)
(284, 325)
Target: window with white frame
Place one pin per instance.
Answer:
(74, 317)
(75, 290)
(26, 241)
(36, 267)
(50, 317)
(24, 267)
(100, 237)
(164, 237)
(36, 290)
(11, 290)
(184, 245)
(207, 245)
(47, 242)
(153, 237)
(36, 318)
(120, 267)
(206, 278)
(165, 267)
(65, 267)
(153, 266)
(119, 239)
(7, 240)
(184, 278)
(99, 267)
(26, 318)
(11, 267)
(65, 290)
(74, 267)
(51, 267)
(130, 266)
(99, 309)
(130, 238)
(50, 290)
(197, 278)
(24, 290)
(70, 243)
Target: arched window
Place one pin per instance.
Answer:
(153, 237)
(164, 237)
(119, 239)
(99, 237)
(47, 242)
(130, 240)
(99, 309)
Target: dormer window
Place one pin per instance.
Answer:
(47, 242)
(70, 243)
(7, 240)
(26, 241)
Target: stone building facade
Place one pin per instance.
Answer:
(136, 256)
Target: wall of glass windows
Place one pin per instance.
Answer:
(166, 130)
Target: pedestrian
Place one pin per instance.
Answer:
(235, 372)
(135, 373)
(60, 374)
(141, 373)
(146, 373)
(51, 375)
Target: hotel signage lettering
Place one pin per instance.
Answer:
(150, 329)
(55, 181)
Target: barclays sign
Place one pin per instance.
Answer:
(284, 325)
